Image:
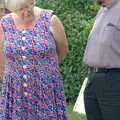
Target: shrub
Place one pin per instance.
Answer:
(77, 17)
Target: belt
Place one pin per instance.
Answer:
(105, 69)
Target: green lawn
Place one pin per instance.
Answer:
(73, 115)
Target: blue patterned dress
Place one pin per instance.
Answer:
(32, 87)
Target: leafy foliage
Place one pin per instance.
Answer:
(77, 18)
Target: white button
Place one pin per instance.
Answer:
(24, 66)
(30, 95)
(25, 93)
(23, 48)
(23, 31)
(25, 76)
(23, 38)
(24, 57)
(25, 85)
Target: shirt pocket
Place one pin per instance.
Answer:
(108, 34)
(115, 38)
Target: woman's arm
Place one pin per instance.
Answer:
(57, 30)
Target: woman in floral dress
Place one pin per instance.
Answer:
(34, 41)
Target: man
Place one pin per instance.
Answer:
(102, 55)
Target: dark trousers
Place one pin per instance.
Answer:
(102, 96)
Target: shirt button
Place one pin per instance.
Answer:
(25, 85)
(25, 93)
(24, 66)
(23, 38)
(25, 76)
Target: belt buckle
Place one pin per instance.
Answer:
(95, 69)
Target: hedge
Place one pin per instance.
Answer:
(77, 18)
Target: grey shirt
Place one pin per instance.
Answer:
(103, 47)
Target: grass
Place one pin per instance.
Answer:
(73, 115)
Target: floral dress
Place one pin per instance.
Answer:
(32, 88)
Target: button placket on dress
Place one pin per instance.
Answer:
(25, 85)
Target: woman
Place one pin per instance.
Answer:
(34, 41)
(3, 11)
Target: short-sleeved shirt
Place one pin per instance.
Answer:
(103, 47)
